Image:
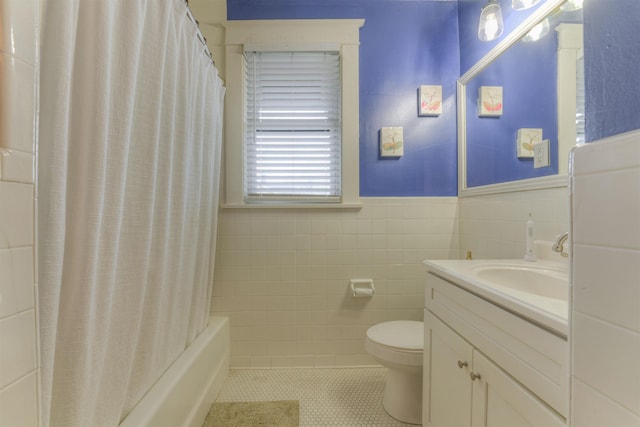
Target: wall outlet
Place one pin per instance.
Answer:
(541, 154)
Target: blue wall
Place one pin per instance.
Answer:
(403, 44)
(612, 67)
(407, 43)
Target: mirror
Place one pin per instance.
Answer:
(523, 92)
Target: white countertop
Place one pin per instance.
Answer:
(550, 313)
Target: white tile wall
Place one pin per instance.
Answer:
(16, 280)
(282, 276)
(17, 334)
(16, 406)
(17, 24)
(16, 166)
(17, 104)
(606, 358)
(19, 369)
(16, 215)
(493, 226)
(606, 282)
(597, 293)
(597, 410)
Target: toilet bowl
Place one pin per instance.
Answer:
(398, 346)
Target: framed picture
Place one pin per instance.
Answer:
(490, 101)
(430, 100)
(391, 142)
(525, 140)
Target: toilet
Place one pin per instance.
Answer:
(398, 345)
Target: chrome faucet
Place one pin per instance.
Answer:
(558, 244)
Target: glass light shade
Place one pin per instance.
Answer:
(537, 32)
(491, 25)
(523, 4)
(571, 5)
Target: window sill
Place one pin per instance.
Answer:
(346, 206)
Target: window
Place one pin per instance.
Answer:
(292, 136)
(291, 113)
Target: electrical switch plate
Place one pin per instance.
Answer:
(541, 154)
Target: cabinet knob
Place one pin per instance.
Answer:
(462, 364)
(474, 376)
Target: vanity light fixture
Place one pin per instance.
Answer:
(523, 4)
(571, 5)
(537, 32)
(491, 25)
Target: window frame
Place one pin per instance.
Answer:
(291, 35)
(325, 131)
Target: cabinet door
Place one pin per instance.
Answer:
(446, 384)
(500, 401)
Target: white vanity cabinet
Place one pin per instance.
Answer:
(486, 366)
(447, 389)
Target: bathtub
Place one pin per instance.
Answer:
(183, 395)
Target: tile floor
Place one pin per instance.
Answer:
(327, 396)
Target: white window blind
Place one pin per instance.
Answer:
(292, 129)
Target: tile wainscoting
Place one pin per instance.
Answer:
(494, 226)
(606, 282)
(282, 276)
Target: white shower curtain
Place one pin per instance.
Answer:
(128, 179)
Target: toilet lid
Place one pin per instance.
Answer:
(401, 334)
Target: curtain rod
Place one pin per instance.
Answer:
(202, 38)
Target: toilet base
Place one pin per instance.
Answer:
(403, 396)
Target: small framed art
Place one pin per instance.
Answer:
(391, 142)
(490, 101)
(430, 100)
(527, 137)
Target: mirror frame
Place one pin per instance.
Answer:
(551, 181)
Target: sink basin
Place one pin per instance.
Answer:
(538, 291)
(541, 281)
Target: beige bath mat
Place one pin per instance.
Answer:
(282, 413)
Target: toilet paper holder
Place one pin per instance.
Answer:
(362, 288)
